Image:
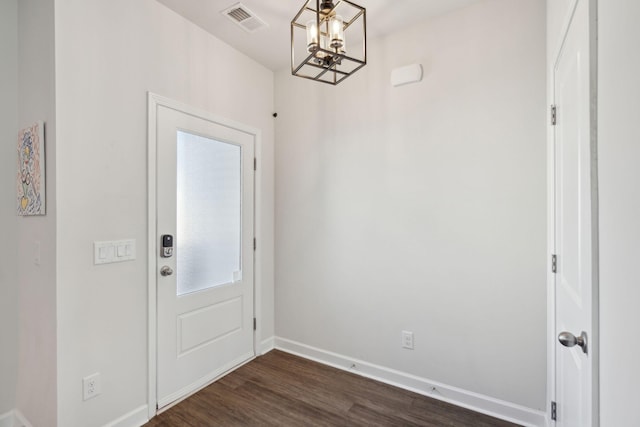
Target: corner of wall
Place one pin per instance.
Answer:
(36, 393)
(8, 258)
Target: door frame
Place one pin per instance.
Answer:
(155, 101)
(555, 44)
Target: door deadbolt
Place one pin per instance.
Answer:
(167, 246)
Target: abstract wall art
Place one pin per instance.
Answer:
(31, 171)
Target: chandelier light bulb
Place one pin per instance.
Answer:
(343, 49)
(312, 36)
(336, 31)
(323, 45)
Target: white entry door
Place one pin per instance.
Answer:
(204, 254)
(576, 312)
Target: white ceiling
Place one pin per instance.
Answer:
(271, 46)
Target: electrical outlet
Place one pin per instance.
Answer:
(91, 386)
(407, 340)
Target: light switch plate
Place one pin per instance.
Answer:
(111, 251)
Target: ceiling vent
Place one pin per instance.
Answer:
(240, 15)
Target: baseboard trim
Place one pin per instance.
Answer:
(267, 345)
(6, 420)
(454, 395)
(14, 419)
(136, 418)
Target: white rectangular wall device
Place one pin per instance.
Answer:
(114, 251)
(405, 75)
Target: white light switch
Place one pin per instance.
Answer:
(114, 251)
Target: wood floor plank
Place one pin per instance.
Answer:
(279, 389)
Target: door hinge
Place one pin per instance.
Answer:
(554, 115)
(554, 411)
(255, 323)
(255, 164)
(554, 263)
(255, 244)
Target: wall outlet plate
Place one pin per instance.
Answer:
(407, 340)
(91, 386)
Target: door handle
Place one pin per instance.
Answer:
(567, 339)
(166, 271)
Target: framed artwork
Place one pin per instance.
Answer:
(31, 171)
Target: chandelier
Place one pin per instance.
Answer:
(319, 35)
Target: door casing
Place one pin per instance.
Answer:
(153, 102)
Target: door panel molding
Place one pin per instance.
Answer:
(154, 102)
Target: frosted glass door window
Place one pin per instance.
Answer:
(209, 213)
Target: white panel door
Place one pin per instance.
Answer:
(574, 360)
(205, 283)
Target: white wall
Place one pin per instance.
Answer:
(36, 389)
(422, 207)
(8, 258)
(619, 180)
(108, 55)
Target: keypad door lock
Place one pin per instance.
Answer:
(167, 246)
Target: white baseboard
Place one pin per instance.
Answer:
(135, 418)
(6, 420)
(14, 419)
(266, 346)
(467, 399)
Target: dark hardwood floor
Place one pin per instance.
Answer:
(279, 389)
